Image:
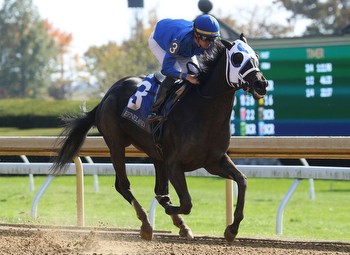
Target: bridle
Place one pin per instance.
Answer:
(248, 67)
(239, 70)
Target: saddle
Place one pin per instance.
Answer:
(174, 95)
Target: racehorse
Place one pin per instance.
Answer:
(195, 135)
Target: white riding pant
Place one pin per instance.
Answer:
(180, 63)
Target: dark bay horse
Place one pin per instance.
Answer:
(196, 133)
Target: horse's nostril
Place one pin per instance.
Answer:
(260, 84)
(260, 87)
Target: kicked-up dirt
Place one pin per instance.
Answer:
(29, 239)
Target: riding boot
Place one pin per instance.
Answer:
(164, 88)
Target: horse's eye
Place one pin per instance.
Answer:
(237, 59)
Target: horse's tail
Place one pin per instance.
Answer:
(73, 135)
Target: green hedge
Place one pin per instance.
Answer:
(38, 113)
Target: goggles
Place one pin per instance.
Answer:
(206, 38)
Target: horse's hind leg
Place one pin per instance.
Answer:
(146, 230)
(162, 195)
(122, 185)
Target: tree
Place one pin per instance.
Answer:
(103, 63)
(25, 50)
(257, 21)
(111, 62)
(325, 16)
(63, 41)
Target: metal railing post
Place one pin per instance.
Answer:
(280, 211)
(95, 176)
(311, 181)
(31, 176)
(38, 196)
(229, 202)
(152, 212)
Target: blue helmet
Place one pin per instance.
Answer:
(207, 26)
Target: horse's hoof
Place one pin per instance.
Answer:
(186, 232)
(229, 236)
(146, 232)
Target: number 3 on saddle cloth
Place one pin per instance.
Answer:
(140, 103)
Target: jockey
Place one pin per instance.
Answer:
(175, 42)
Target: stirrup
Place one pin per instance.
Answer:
(153, 117)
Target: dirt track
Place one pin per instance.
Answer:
(15, 239)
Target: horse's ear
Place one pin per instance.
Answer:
(227, 44)
(242, 37)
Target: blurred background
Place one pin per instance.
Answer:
(77, 49)
(59, 50)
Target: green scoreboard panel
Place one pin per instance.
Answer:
(308, 93)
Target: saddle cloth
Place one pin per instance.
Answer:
(140, 103)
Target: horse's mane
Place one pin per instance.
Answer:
(209, 59)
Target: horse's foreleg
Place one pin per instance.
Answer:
(185, 231)
(178, 180)
(227, 169)
(232, 230)
(178, 221)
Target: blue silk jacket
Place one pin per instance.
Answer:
(176, 37)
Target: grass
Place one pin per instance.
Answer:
(325, 218)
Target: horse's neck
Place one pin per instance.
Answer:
(215, 97)
(216, 85)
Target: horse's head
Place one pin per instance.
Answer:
(242, 68)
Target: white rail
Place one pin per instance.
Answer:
(240, 147)
(252, 171)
